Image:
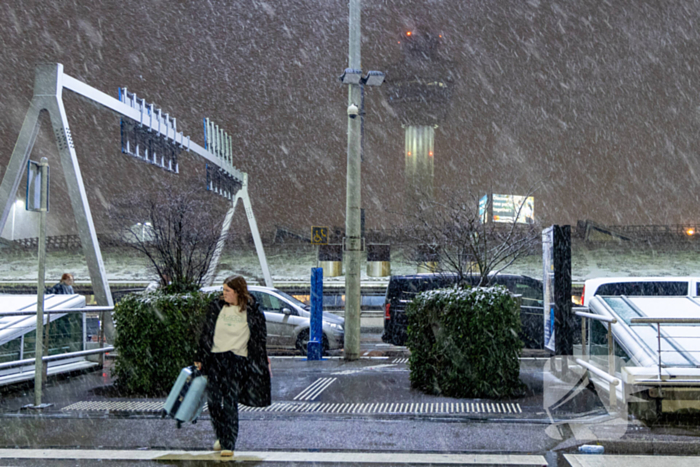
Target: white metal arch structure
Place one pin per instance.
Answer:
(49, 83)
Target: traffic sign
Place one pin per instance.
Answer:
(38, 186)
(319, 235)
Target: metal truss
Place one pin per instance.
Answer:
(50, 81)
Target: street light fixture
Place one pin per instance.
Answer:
(351, 76)
(374, 78)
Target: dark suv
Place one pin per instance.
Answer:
(402, 290)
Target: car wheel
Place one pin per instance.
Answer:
(303, 341)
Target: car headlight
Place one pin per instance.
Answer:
(339, 327)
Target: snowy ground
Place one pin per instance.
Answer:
(292, 263)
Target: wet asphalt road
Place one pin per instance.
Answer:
(380, 380)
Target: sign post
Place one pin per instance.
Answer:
(38, 201)
(319, 236)
(556, 260)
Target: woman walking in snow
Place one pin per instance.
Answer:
(233, 353)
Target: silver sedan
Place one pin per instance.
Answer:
(288, 320)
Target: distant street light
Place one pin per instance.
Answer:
(14, 209)
(143, 230)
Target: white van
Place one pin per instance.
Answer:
(640, 286)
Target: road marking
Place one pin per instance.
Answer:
(381, 458)
(332, 357)
(315, 407)
(315, 389)
(360, 370)
(609, 460)
(116, 406)
(400, 360)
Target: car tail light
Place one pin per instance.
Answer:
(583, 294)
(387, 307)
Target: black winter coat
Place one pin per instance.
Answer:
(257, 392)
(61, 289)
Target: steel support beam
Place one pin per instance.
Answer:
(48, 96)
(242, 195)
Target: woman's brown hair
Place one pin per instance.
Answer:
(239, 284)
(66, 276)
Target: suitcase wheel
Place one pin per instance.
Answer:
(163, 413)
(194, 421)
(179, 424)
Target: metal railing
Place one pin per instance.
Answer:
(51, 358)
(61, 356)
(89, 309)
(609, 377)
(658, 322)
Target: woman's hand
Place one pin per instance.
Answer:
(198, 365)
(269, 366)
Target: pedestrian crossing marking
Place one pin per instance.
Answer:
(502, 408)
(400, 360)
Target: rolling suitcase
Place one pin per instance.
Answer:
(187, 397)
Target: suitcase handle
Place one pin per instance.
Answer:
(195, 372)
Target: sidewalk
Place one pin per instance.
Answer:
(377, 386)
(333, 406)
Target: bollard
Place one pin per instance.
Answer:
(330, 258)
(315, 345)
(378, 260)
(428, 257)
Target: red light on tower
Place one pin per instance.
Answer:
(430, 153)
(409, 33)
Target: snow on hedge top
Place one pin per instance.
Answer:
(459, 293)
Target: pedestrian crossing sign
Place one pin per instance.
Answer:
(319, 235)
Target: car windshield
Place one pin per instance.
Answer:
(292, 299)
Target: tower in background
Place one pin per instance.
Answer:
(417, 89)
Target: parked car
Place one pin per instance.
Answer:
(402, 289)
(640, 286)
(288, 320)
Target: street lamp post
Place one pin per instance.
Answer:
(353, 235)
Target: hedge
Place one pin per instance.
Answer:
(464, 343)
(157, 336)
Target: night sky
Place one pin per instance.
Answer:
(593, 104)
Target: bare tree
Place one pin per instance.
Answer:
(176, 228)
(463, 240)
